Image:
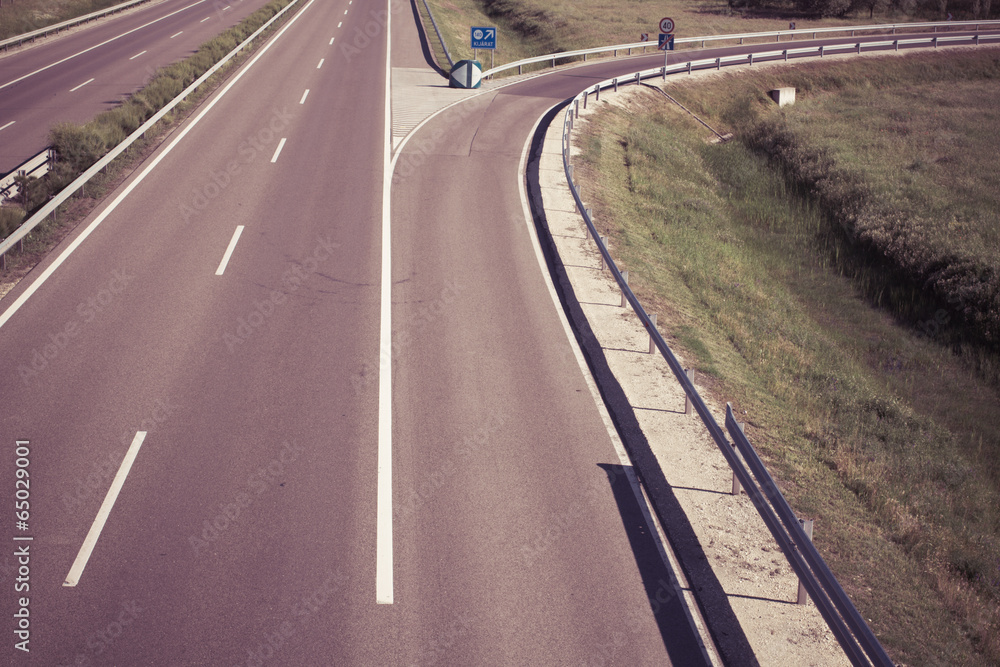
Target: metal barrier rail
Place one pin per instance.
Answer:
(56, 27)
(848, 626)
(444, 46)
(777, 34)
(36, 166)
(26, 227)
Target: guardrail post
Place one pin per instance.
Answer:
(616, 84)
(807, 526)
(977, 36)
(859, 47)
(638, 78)
(576, 108)
(785, 52)
(664, 70)
(736, 483)
(821, 52)
(689, 67)
(597, 92)
(571, 175)
(586, 94)
(935, 42)
(895, 43)
(689, 372)
(751, 59)
(741, 40)
(604, 241)
(625, 279)
(586, 229)
(718, 63)
(652, 342)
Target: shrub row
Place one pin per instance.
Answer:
(895, 248)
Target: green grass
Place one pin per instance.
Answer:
(18, 17)
(879, 431)
(535, 27)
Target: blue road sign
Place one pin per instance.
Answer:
(484, 38)
(666, 42)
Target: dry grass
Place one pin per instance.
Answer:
(872, 425)
(21, 16)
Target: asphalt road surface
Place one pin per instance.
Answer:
(74, 76)
(217, 338)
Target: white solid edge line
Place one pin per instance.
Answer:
(137, 55)
(59, 62)
(277, 151)
(73, 90)
(383, 519)
(705, 640)
(73, 578)
(229, 251)
(33, 287)
(305, 94)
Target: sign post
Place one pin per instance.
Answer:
(666, 43)
(484, 38)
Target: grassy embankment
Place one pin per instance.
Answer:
(79, 146)
(536, 27)
(18, 17)
(835, 271)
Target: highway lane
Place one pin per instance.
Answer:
(77, 75)
(479, 348)
(246, 526)
(245, 530)
(243, 382)
(515, 519)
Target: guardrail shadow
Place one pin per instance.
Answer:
(726, 631)
(425, 46)
(665, 598)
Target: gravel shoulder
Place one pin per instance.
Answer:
(758, 584)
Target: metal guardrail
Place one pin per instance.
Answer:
(50, 208)
(37, 166)
(777, 34)
(444, 46)
(56, 27)
(850, 629)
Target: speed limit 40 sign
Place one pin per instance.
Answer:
(666, 25)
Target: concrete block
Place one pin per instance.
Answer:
(783, 96)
